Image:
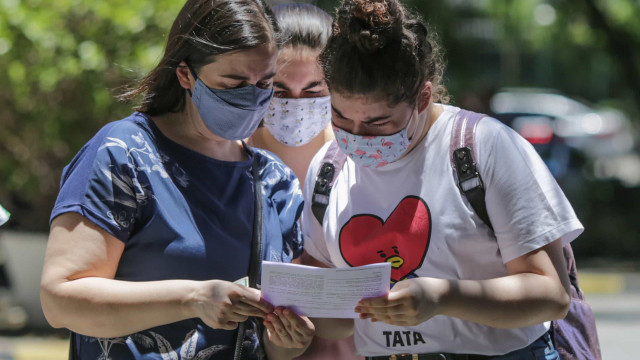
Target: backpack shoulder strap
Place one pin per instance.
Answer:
(463, 153)
(332, 163)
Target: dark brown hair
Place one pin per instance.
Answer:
(378, 47)
(202, 30)
(303, 25)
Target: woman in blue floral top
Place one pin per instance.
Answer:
(154, 220)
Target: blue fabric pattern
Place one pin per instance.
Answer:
(181, 215)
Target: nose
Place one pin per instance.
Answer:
(354, 129)
(357, 129)
(296, 94)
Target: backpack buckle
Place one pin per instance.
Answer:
(323, 180)
(322, 189)
(468, 176)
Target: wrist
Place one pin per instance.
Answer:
(438, 293)
(194, 299)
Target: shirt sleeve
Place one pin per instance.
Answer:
(526, 206)
(312, 231)
(100, 184)
(287, 200)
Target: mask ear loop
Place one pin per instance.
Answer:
(409, 124)
(195, 77)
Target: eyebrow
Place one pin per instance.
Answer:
(310, 86)
(244, 78)
(370, 121)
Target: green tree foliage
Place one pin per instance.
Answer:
(62, 60)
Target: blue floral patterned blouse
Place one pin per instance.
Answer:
(181, 215)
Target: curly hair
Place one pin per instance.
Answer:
(379, 47)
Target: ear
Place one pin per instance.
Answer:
(424, 99)
(185, 78)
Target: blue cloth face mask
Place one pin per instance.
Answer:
(233, 114)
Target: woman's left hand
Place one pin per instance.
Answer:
(409, 303)
(287, 329)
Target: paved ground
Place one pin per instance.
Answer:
(615, 298)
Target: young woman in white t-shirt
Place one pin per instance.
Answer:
(459, 289)
(297, 123)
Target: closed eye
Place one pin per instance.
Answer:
(264, 84)
(378, 124)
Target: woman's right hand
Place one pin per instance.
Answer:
(222, 304)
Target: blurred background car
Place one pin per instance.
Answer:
(598, 133)
(567, 132)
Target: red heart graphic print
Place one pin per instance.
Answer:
(402, 240)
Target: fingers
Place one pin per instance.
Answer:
(225, 325)
(278, 333)
(393, 298)
(394, 312)
(380, 301)
(245, 309)
(288, 329)
(295, 325)
(252, 297)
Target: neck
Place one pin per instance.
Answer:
(297, 158)
(426, 120)
(187, 129)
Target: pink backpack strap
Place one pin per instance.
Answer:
(332, 163)
(463, 152)
(464, 130)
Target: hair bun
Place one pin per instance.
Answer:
(370, 24)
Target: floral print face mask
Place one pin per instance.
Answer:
(295, 122)
(373, 151)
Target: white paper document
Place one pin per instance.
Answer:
(323, 292)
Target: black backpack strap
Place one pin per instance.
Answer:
(332, 163)
(463, 153)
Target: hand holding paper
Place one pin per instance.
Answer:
(323, 292)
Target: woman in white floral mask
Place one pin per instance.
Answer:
(297, 122)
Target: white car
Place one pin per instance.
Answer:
(597, 133)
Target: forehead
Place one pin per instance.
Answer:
(298, 63)
(363, 106)
(253, 62)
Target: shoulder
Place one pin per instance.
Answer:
(112, 144)
(272, 169)
(319, 157)
(134, 129)
(491, 127)
(492, 134)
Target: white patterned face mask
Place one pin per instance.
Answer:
(295, 122)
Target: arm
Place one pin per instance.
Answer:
(78, 290)
(535, 291)
(327, 328)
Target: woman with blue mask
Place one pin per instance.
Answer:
(460, 289)
(159, 216)
(297, 123)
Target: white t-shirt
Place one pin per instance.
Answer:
(412, 212)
